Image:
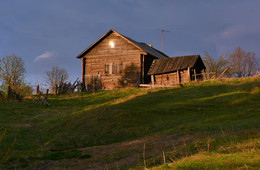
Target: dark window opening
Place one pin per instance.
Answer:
(113, 68)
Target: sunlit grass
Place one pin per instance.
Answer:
(80, 120)
(222, 150)
(235, 155)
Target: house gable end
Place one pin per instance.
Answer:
(103, 47)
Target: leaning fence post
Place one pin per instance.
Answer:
(47, 92)
(45, 99)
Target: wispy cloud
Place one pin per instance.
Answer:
(240, 31)
(235, 32)
(46, 55)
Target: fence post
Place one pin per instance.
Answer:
(195, 74)
(9, 93)
(178, 77)
(189, 74)
(152, 79)
(56, 89)
(37, 89)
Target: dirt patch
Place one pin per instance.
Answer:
(21, 125)
(125, 154)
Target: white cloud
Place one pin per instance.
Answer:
(234, 33)
(46, 55)
(243, 34)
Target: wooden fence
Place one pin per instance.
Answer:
(93, 82)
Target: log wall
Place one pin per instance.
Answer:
(171, 78)
(124, 54)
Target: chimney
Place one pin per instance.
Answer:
(150, 45)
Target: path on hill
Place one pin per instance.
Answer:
(126, 154)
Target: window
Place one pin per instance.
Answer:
(113, 68)
(111, 43)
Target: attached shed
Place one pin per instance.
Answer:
(176, 70)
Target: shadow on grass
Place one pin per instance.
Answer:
(178, 110)
(114, 116)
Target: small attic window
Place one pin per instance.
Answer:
(111, 43)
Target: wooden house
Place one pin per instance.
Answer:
(176, 70)
(115, 61)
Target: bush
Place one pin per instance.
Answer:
(2, 96)
(25, 90)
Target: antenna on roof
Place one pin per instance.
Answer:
(163, 30)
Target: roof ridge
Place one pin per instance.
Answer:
(137, 43)
(140, 45)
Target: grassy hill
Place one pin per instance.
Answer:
(228, 152)
(131, 128)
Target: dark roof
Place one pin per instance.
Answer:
(146, 48)
(142, 46)
(167, 65)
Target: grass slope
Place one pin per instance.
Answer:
(235, 155)
(73, 121)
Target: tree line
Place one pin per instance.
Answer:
(239, 63)
(12, 75)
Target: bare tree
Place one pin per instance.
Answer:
(243, 63)
(12, 71)
(252, 63)
(55, 76)
(216, 66)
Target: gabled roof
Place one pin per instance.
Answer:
(167, 65)
(142, 46)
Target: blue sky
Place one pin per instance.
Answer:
(46, 33)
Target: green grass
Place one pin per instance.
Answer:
(244, 160)
(82, 120)
(235, 155)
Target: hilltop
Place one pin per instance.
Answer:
(136, 128)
